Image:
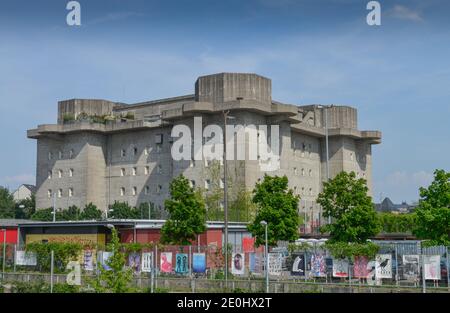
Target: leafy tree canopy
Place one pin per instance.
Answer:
(433, 212)
(7, 204)
(187, 213)
(90, 212)
(344, 199)
(277, 205)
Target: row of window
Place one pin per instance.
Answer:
(134, 190)
(302, 172)
(134, 170)
(303, 191)
(60, 193)
(60, 173)
(61, 154)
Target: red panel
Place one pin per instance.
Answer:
(11, 235)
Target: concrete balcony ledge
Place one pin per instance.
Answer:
(109, 127)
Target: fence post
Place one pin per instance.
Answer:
(14, 259)
(156, 269)
(448, 274)
(52, 256)
(396, 264)
(424, 288)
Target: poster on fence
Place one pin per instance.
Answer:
(360, 267)
(298, 264)
(432, 267)
(237, 263)
(134, 261)
(181, 263)
(248, 244)
(318, 266)
(199, 262)
(103, 257)
(410, 267)
(255, 262)
(383, 266)
(372, 280)
(166, 262)
(275, 263)
(340, 268)
(88, 260)
(25, 258)
(147, 262)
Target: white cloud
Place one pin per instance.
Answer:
(404, 13)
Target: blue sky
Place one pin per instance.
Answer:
(396, 74)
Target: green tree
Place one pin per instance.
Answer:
(344, 199)
(116, 279)
(70, 214)
(90, 212)
(44, 215)
(397, 223)
(187, 213)
(121, 210)
(433, 212)
(7, 204)
(277, 205)
(25, 208)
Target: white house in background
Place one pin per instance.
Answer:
(24, 191)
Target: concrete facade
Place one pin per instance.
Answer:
(101, 151)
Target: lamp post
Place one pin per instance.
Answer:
(266, 257)
(54, 207)
(225, 190)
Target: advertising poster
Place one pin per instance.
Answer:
(237, 263)
(199, 262)
(298, 265)
(432, 267)
(88, 260)
(340, 268)
(411, 267)
(134, 262)
(104, 256)
(248, 245)
(275, 263)
(181, 263)
(318, 266)
(372, 280)
(256, 262)
(166, 262)
(383, 266)
(147, 262)
(25, 258)
(360, 267)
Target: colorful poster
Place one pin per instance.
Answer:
(318, 266)
(166, 262)
(248, 245)
(256, 262)
(340, 268)
(134, 261)
(147, 262)
(199, 262)
(411, 267)
(432, 265)
(103, 257)
(275, 263)
(237, 263)
(360, 267)
(298, 265)
(181, 263)
(26, 258)
(383, 266)
(88, 260)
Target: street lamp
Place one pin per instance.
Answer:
(225, 190)
(325, 109)
(266, 250)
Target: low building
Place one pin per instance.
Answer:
(23, 192)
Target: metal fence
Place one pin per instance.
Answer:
(398, 263)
